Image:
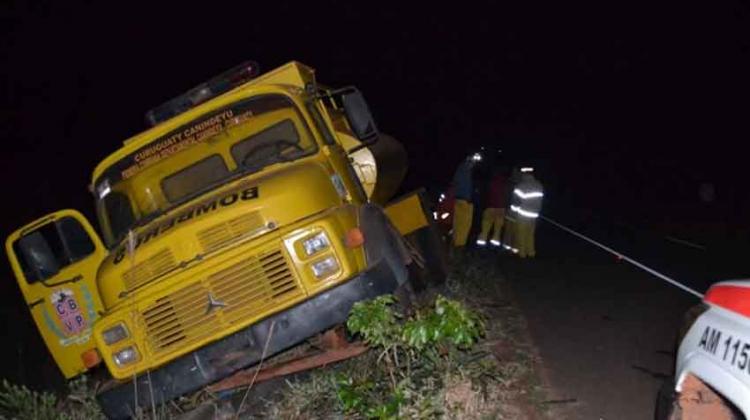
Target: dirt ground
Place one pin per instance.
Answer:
(604, 329)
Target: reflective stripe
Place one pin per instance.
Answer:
(434, 215)
(495, 242)
(481, 242)
(523, 212)
(531, 194)
(527, 169)
(444, 216)
(510, 248)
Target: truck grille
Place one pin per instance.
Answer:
(225, 233)
(149, 269)
(244, 290)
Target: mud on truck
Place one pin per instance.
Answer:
(254, 212)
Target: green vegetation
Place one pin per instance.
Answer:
(19, 402)
(463, 353)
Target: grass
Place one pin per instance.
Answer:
(19, 402)
(497, 377)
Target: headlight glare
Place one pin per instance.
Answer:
(115, 334)
(125, 356)
(325, 267)
(315, 244)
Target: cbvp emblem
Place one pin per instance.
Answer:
(68, 312)
(214, 304)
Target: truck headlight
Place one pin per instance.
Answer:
(115, 334)
(316, 243)
(325, 267)
(125, 356)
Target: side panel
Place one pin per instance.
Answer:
(407, 213)
(55, 261)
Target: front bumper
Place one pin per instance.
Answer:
(244, 348)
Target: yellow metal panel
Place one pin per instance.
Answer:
(280, 81)
(65, 306)
(170, 318)
(407, 214)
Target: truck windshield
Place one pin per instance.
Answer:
(197, 157)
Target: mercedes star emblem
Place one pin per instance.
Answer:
(214, 303)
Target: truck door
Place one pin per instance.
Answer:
(55, 260)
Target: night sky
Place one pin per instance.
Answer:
(625, 109)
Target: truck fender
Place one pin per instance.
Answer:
(382, 241)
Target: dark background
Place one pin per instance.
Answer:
(625, 109)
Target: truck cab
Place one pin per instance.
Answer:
(251, 216)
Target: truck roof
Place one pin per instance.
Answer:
(291, 74)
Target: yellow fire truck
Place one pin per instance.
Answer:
(251, 214)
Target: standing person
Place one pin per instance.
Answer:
(463, 207)
(510, 234)
(493, 216)
(444, 211)
(528, 196)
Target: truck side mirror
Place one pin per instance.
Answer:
(359, 116)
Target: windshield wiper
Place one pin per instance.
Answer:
(143, 221)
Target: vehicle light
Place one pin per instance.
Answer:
(115, 334)
(315, 244)
(125, 356)
(731, 297)
(90, 358)
(214, 87)
(325, 267)
(354, 238)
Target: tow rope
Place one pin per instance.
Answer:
(620, 255)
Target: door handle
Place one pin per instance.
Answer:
(36, 302)
(74, 279)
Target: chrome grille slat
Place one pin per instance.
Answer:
(239, 278)
(247, 297)
(148, 269)
(184, 322)
(229, 290)
(183, 326)
(223, 234)
(248, 288)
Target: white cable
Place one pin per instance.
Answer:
(626, 258)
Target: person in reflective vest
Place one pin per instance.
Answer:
(493, 216)
(510, 236)
(463, 208)
(526, 205)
